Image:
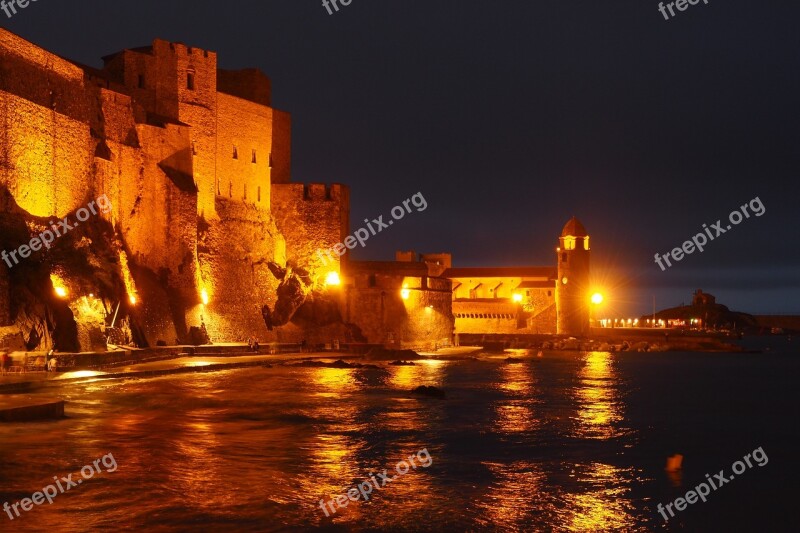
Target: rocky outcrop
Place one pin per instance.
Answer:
(85, 260)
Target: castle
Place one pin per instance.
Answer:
(206, 231)
(522, 300)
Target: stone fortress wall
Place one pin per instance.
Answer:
(194, 160)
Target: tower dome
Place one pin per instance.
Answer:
(574, 228)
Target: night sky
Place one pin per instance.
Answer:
(510, 117)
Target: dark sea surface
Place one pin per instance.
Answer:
(565, 442)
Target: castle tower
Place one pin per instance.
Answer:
(572, 287)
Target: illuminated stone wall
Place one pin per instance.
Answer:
(483, 299)
(244, 144)
(543, 320)
(156, 134)
(397, 304)
(45, 140)
(313, 218)
(474, 316)
(233, 254)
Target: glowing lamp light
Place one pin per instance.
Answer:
(132, 299)
(517, 297)
(405, 293)
(597, 298)
(61, 292)
(204, 296)
(333, 279)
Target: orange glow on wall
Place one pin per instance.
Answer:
(127, 278)
(59, 286)
(405, 292)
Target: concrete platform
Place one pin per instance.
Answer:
(19, 408)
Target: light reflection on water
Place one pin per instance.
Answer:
(527, 446)
(600, 408)
(516, 412)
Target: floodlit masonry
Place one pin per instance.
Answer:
(196, 163)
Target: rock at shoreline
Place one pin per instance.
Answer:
(433, 392)
(335, 364)
(384, 354)
(402, 363)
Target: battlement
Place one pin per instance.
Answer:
(311, 192)
(182, 48)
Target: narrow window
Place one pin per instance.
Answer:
(190, 80)
(141, 81)
(194, 148)
(245, 192)
(373, 281)
(255, 159)
(235, 152)
(259, 194)
(564, 257)
(230, 189)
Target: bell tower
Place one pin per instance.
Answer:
(572, 286)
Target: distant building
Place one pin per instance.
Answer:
(397, 303)
(542, 300)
